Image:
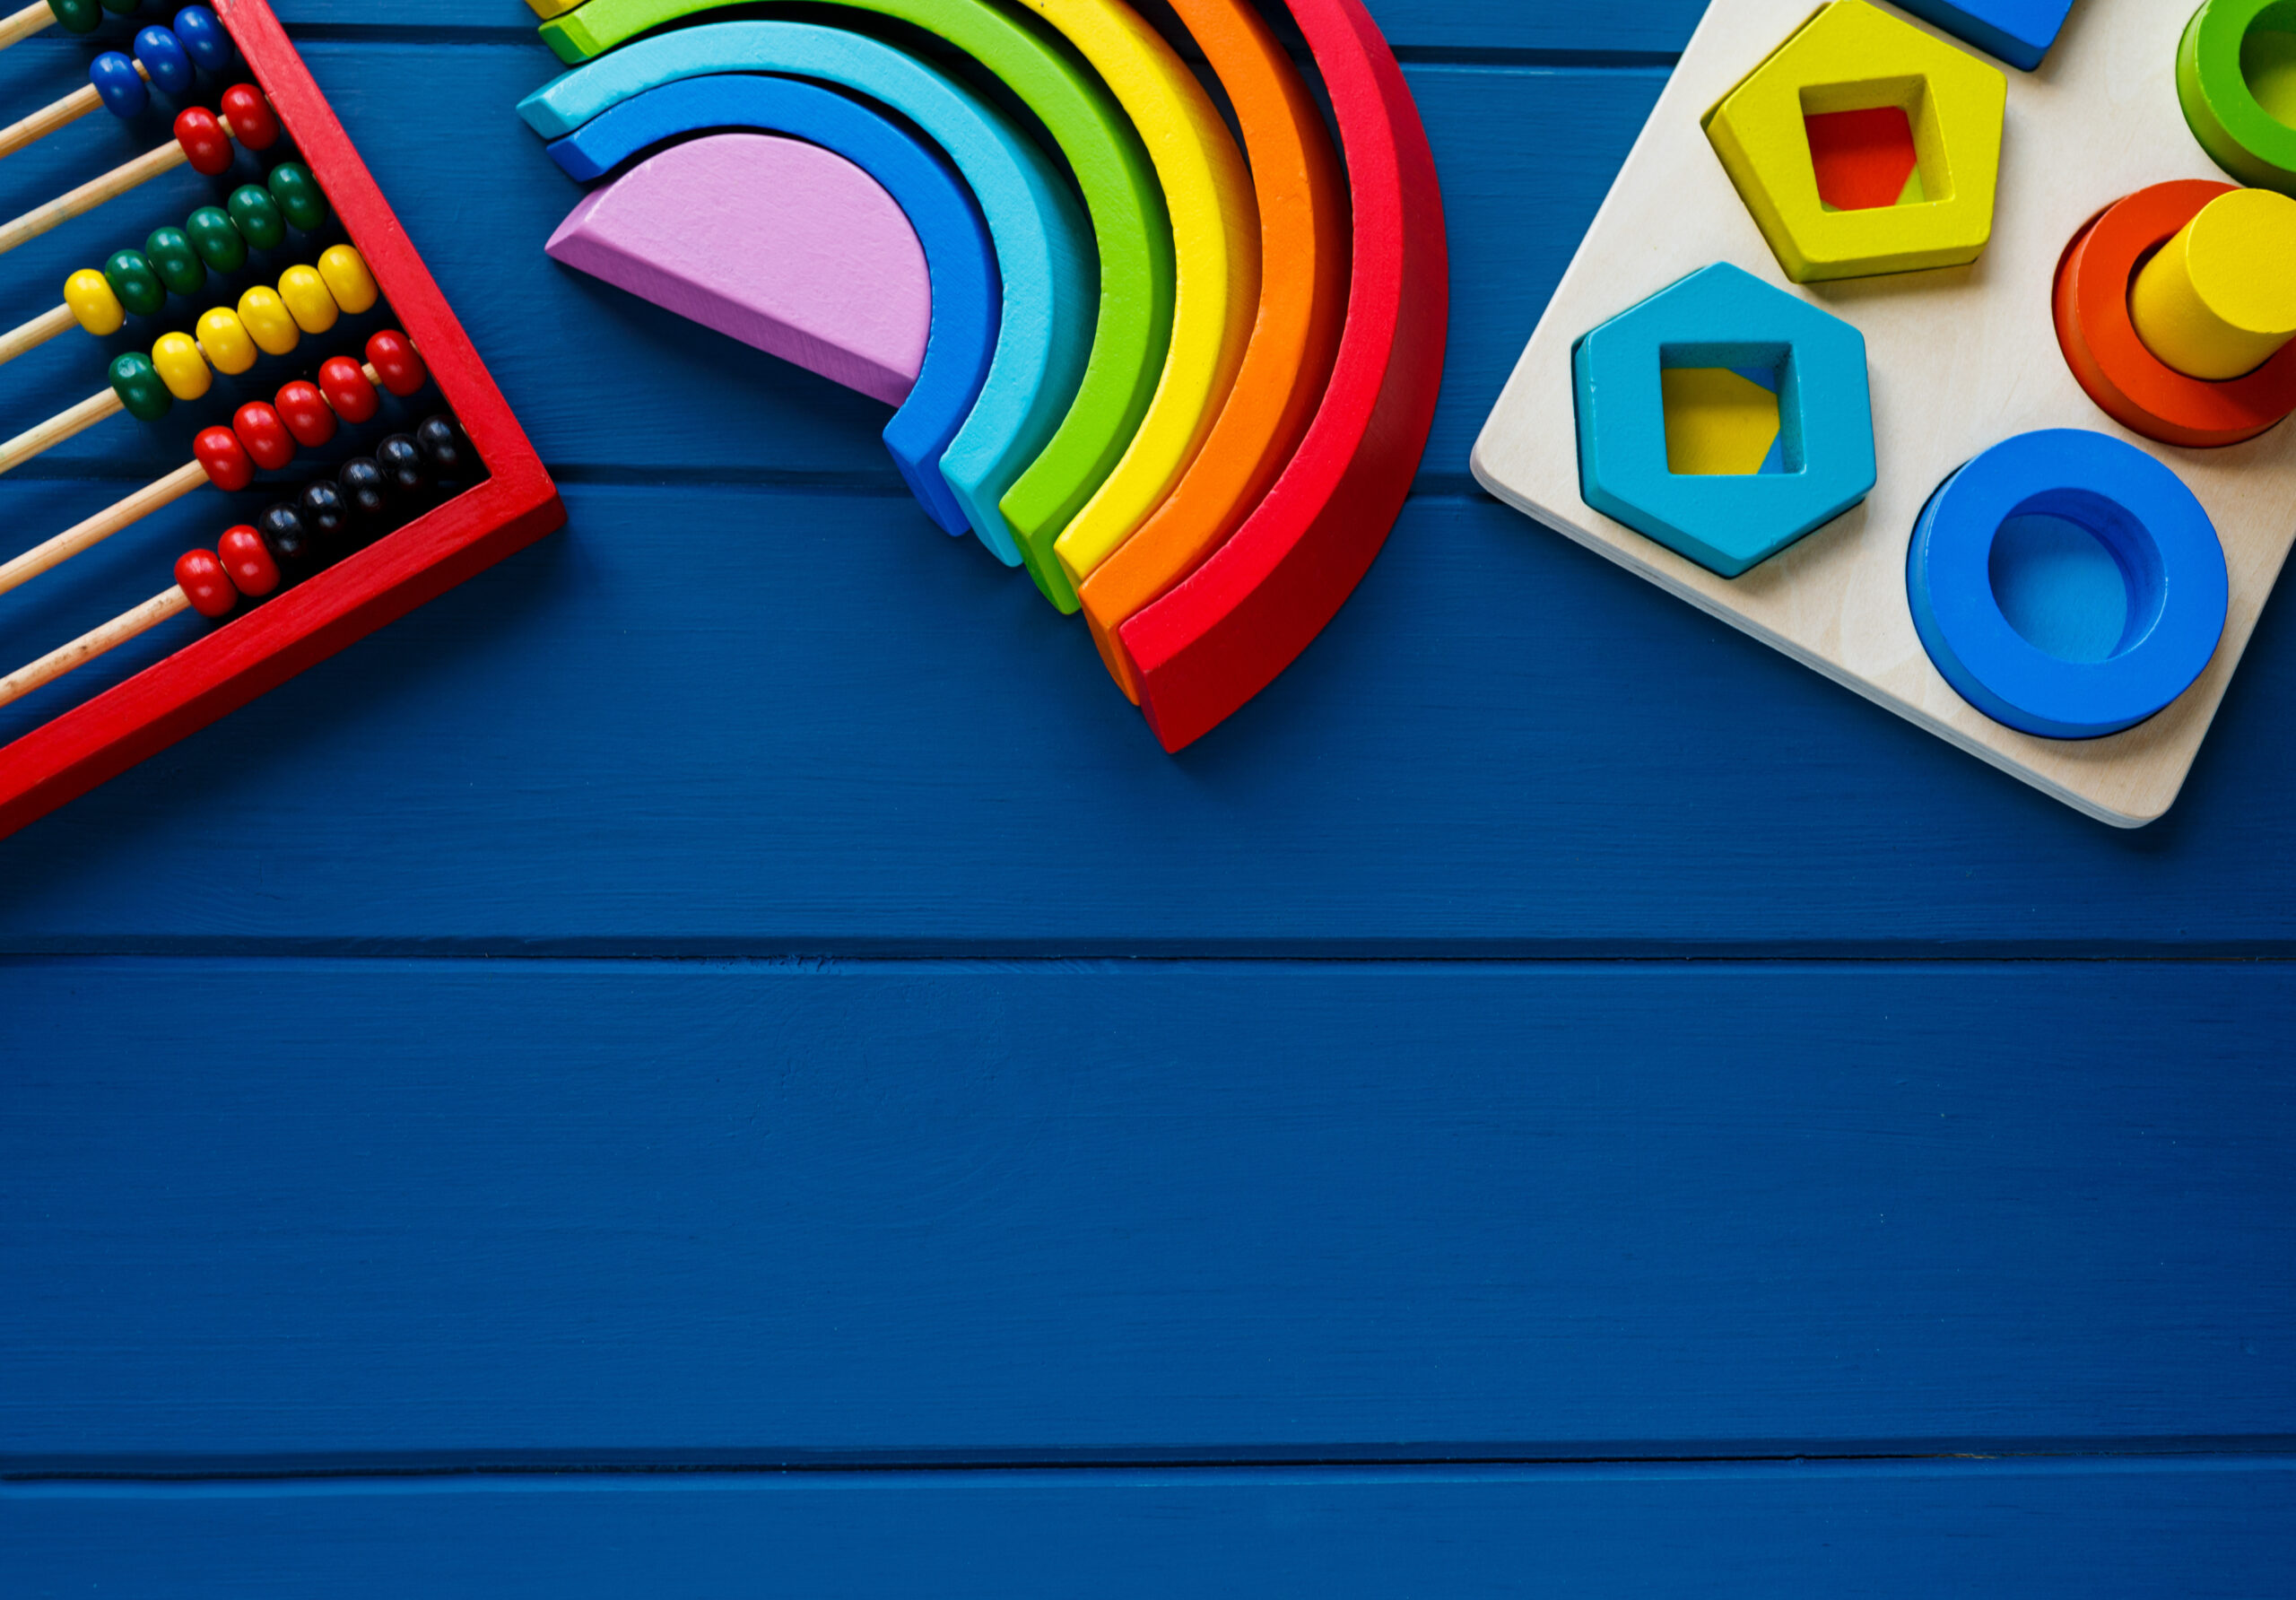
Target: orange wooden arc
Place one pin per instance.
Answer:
(1302, 301)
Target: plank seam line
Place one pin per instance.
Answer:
(606, 951)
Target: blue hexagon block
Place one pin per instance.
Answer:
(1722, 317)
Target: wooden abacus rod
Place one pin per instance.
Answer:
(309, 299)
(178, 260)
(93, 643)
(19, 25)
(168, 57)
(230, 456)
(252, 561)
(60, 113)
(202, 138)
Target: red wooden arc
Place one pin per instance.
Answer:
(1223, 633)
(221, 671)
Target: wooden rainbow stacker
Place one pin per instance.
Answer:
(421, 510)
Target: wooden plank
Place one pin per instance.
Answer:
(697, 726)
(2212, 1527)
(288, 1213)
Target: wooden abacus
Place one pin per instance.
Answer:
(310, 575)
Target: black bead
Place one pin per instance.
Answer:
(367, 488)
(282, 528)
(325, 512)
(400, 459)
(444, 446)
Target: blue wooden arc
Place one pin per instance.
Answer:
(1045, 262)
(957, 252)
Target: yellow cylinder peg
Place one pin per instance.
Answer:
(2218, 299)
(224, 338)
(348, 279)
(97, 308)
(305, 295)
(269, 321)
(176, 358)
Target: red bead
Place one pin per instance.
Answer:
(248, 559)
(346, 388)
(305, 410)
(204, 583)
(395, 362)
(252, 122)
(219, 450)
(204, 140)
(264, 434)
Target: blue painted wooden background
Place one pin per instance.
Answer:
(719, 1057)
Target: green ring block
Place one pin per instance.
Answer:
(2242, 136)
(1131, 229)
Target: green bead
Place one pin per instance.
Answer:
(77, 16)
(218, 243)
(297, 194)
(131, 279)
(178, 264)
(119, 8)
(256, 216)
(137, 384)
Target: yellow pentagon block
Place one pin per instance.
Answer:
(1851, 57)
(1719, 424)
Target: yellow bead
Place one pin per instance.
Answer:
(308, 301)
(225, 340)
(268, 321)
(348, 279)
(93, 303)
(2219, 299)
(181, 367)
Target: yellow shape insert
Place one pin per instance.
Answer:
(2220, 298)
(1718, 423)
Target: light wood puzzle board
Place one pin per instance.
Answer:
(1959, 359)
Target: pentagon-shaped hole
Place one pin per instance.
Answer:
(2268, 61)
(2076, 576)
(1732, 409)
(1876, 143)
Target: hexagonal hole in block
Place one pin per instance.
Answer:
(1876, 144)
(2268, 61)
(1732, 410)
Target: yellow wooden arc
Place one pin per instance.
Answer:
(1216, 251)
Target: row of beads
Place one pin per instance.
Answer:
(253, 558)
(205, 139)
(306, 414)
(178, 259)
(85, 16)
(271, 322)
(169, 56)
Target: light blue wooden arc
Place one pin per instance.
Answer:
(958, 256)
(1045, 258)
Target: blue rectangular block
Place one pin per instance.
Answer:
(2019, 31)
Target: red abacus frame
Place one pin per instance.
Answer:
(223, 670)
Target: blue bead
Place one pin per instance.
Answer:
(202, 37)
(120, 84)
(164, 57)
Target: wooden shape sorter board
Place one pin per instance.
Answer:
(226, 666)
(1959, 359)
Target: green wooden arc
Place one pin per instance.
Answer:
(1130, 227)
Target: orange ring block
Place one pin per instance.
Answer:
(2134, 386)
(1302, 298)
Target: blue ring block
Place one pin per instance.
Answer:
(957, 253)
(1045, 258)
(2158, 534)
